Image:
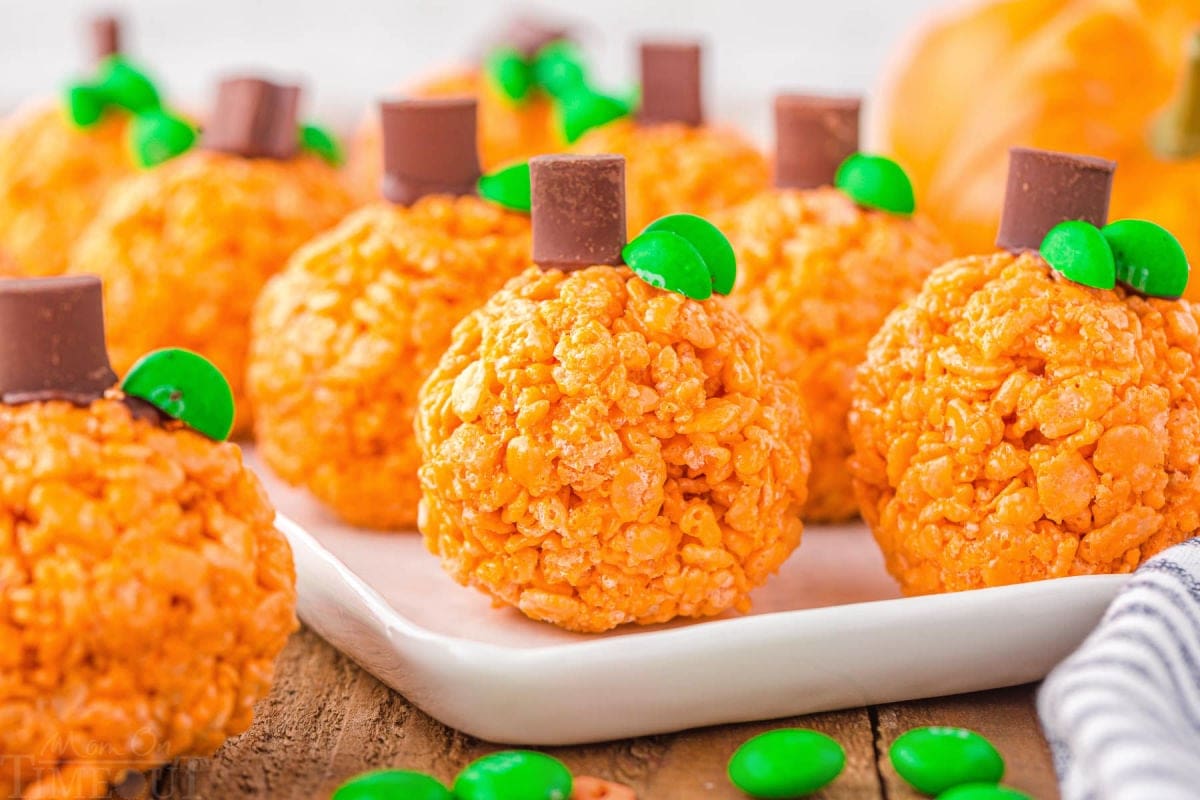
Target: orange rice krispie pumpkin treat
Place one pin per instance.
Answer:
(676, 162)
(819, 273)
(185, 249)
(145, 592)
(58, 160)
(343, 338)
(514, 122)
(1011, 424)
(598, 451)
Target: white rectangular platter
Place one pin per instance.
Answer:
(829, 631)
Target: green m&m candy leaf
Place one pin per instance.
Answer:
(582, 110)
(185, 386)
(708, 240)
(127, 86)
(668, 261)
(85, 104)
(508, 187)
(787, 763)
(935, 759)
(510, 73)
(1080, 252)
(558, 69)
(322, 144)
(876, 182)
(982, 791)
(159, 136)
(392, 784)
(514, 775)
(1147, 257)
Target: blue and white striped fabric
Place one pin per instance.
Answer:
(1122, 714)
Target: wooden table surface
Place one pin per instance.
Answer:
(328, 720)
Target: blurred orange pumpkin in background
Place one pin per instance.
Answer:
(1113, 78)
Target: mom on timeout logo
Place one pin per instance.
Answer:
(73, 766)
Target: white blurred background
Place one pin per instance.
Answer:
(351, 52)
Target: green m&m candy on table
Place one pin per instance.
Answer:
(876, 182)
(514, 775)
(935, 759)
(85, 104)
(184, 386)
(787, 763)
(322, 144)
(1147, 257)
(392, 784)
(982, 791)
(558, 69)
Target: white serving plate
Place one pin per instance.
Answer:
(829, 631)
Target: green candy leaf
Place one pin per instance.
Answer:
(127, 86)
(585, 109)
(185, 386)
(392, 784)
(510, 73)
(558, 69)
(708, 241)
(85, 104)
(159, 136)
(323, 144)
(1148, 258)
(669, 261)
(1080, 252)
(876, 182)
(508, 187)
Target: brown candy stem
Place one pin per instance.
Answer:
(813, 136)
(1046, 188)
(578, 210)
(429, 147)
(1177, 132)
(672, 89)
(52, 340)
(105, 34)
(254, 118)
(527, 35)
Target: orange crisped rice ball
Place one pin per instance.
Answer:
(144, 596)
(817, 275)
(343, 338)
(598, 452)
(185, 249)
(1010, 425)
(53, 178)
(675, 168)
(508, 131)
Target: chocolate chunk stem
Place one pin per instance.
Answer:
(1046, 188)
(527, 35)
(52, 340)
(254, 118)
(578, 210)
(671, 83)
(429, 147)
(105, 34)
(813, 136)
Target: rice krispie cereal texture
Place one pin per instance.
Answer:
(599, 452)
(1010, 425)
(144, 596)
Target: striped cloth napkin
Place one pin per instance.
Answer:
(1122, 713)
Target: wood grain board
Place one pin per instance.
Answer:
(328, 720)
